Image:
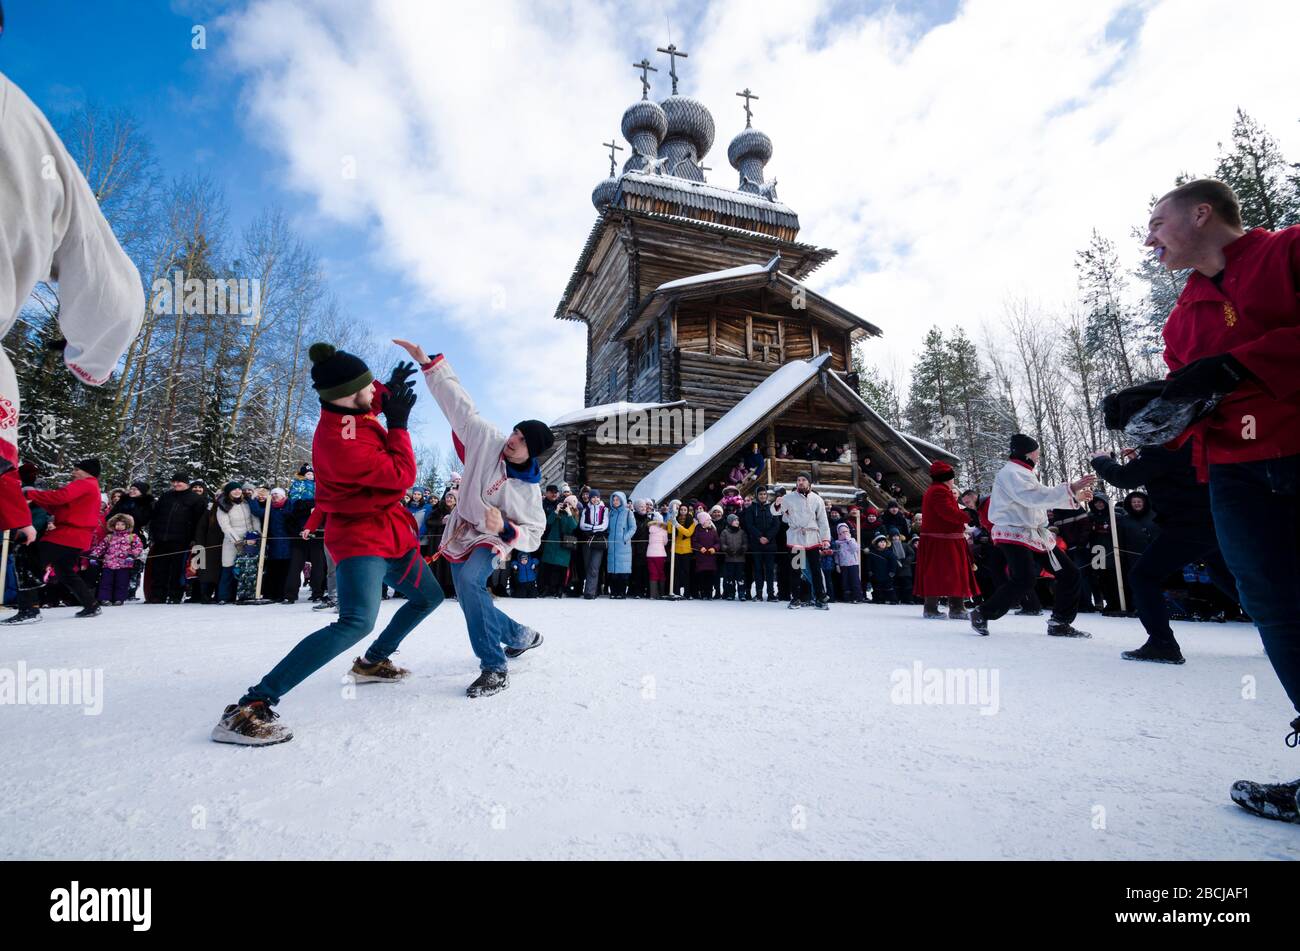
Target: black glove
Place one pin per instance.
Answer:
(1209, 376)
(397, 407)
(400, 376)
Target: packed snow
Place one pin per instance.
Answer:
(646, 730)
(589, 414)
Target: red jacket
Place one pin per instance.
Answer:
(362, 472)
(1256, 318)
(943, 565)
(14, 512)
(75, 510)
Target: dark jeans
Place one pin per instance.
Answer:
(63, 559)
(1023, 566)
(764, 572)
(851, 582)
(733, 579)
(1257, 520)
(359, 582)
(168, 572)
(1169, 553)
(812, 571)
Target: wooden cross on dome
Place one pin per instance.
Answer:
(673, 52)
(646, 69)
(747, 95)
(612, 145)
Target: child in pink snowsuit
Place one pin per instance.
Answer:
(117, 552)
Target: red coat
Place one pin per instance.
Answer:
(14, 512)
(1256, 318)
(943, 565)
(75, 510)
(362, 472)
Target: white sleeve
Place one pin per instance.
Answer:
(470, 428)
(1026, 490)
(531, 527)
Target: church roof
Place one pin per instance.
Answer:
(702, 196)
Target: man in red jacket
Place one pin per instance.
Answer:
(1235, 333)
(75, 513)
(362, 472)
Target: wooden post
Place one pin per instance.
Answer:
(261, 554)
(1114, 540)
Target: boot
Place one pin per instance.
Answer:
(978, 622)
(90, 610)
(536, 641)
(1057, 628)
(383, 672)
(931, 609)
(957, 609)
(1159, 652)
(252, 724)
(24, 616)
(488, 683)
(1268, 800)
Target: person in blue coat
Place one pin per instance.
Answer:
(622, 526)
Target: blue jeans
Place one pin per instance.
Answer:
(1256, 509)
(488, 627)
(359, 580)
(226, 586)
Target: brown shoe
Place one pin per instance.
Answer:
(384, 672)
(252, 724)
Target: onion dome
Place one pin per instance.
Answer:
(605, 193)
(748, 153)
(689, 138)
(644, 127)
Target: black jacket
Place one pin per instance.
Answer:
(1181, 504)
(175, 516)
(759, 522)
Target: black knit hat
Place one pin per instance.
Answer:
(181, 477)
(230, 487)
(1022, 445)
(804, 475)
(537, 435)
(142, 486)
(304, 469)
(89, 465)
(337, 373)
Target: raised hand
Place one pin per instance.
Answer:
(397, 406)
(414, 349)
(400, 376)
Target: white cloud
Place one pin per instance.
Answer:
(949, 167)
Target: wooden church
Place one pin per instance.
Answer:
(695, 309)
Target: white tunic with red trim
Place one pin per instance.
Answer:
(1019, 506)
(51, 229)
(485, 481)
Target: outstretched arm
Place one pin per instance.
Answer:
(451, 397)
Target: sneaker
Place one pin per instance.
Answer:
(92, 611)
(977, 622)
(24, 616)
(326, 604)
(1156, 652)
(513, 652)
(822, 606)
(488, 683)
(384, 672)
(117, 604)
(252, 724)
(932, 615)
(1268, 800)
(1057, 628)
(794, 603)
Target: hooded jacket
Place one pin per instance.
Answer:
(622, 526)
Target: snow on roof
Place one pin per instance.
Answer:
(744, 270)
(920, 443)
(678, 468)
(590, 414)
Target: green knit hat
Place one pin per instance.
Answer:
(337, 373)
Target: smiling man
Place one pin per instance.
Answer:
(1235, 333)
(499, 510)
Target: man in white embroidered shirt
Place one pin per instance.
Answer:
(499, 509)
(1018, 510)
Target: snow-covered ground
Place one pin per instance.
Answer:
(647, 730)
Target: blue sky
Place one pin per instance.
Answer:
(957, 154)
